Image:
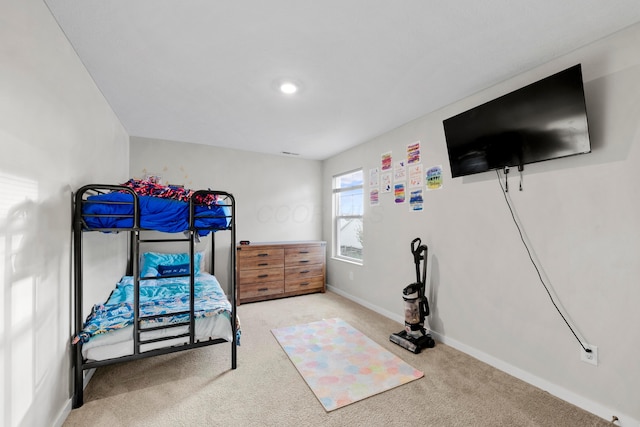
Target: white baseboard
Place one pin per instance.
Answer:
(64, 413)
(560, 392)
(62, 416)
(366, 304)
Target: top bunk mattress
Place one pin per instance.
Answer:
(115, 210)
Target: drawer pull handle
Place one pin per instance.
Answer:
(305, 271)
(304, 284)
(262, 276)
(304, 261)
(262, 264)
(263, 289)
(263, 254)
(303, 252)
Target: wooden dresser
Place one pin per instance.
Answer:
(280, 269)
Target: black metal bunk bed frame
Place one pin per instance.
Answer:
(133, 269)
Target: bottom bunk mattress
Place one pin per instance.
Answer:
(108, 330)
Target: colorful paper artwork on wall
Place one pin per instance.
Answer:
(413, 153)
(415, 201)
(434, 178)
(374, 197)
(386, 183)
(415, 176)
(406, 178)
(386, 161)
(399, 192)
(400, 172)
(374, 178)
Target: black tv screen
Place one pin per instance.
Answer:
(542, 121)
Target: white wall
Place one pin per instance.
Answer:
(278, 198)
(581, 215)
(56, 133)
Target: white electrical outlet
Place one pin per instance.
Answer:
(592, 357)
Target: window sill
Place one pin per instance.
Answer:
(347, 260)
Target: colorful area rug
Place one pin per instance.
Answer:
(340, 364)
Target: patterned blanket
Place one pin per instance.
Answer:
(158, 296)
(150, 188)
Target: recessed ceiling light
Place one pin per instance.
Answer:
(288, 88)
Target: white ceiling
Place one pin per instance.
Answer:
(204, 71)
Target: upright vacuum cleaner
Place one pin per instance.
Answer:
(416, 307)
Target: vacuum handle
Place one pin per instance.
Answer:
(419, 254)
(416, 249)
(413, 245)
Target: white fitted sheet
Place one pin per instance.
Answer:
(119, 342)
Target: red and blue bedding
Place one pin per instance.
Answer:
(162, 208)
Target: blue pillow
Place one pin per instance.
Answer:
(171, 270)
(152, 260)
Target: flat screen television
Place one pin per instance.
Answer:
(542, 121)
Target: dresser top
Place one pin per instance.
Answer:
(265, 245)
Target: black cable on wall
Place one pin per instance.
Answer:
(504, 193)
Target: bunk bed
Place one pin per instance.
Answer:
(166, 302)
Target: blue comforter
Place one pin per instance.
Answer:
(157, 296)
(156, 213)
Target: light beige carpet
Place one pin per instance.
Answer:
(197, 388)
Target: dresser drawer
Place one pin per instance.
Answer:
(304, 255)
(260, 258)
(254, 262)
(311, 284)
(261, 275)
(256, 290)
(293, 274)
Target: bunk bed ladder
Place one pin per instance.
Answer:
(139, 320)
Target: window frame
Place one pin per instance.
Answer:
(337, 217)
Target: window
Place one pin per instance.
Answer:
(347, 219)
